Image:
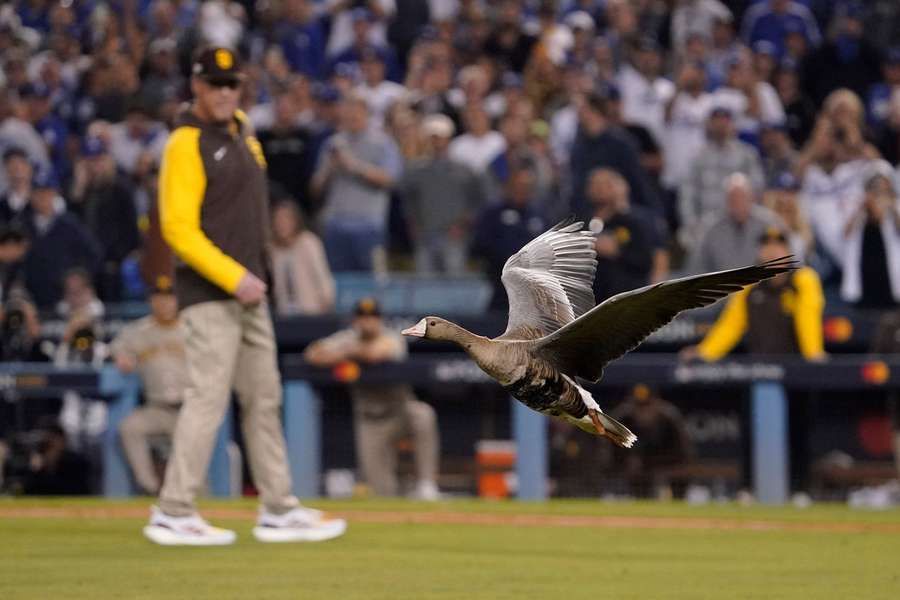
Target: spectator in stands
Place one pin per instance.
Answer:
(382, 414)
(695, 17)
(302, 37)
(799, 110)
(685, 123)
(161, 83)
(154, 348)
(80, 307)
(628, 240)
(600, 145)
(729, 237)
(59, 242)
(379, 91)
(362, 44)
(137, 143)
(879, 97)
(288, 148)
(20, 326)
(301, 281)
(504, 227)
(509, 43)
(480, 144)
(104, 201)
(889, 137)
(703, 191)
(13, 247)
(770, 19)
(19, 172)
(51, 128)
(779, 316)
(778, 154)
(16, 132)
(723, 48)
(664, 441)
(782, 198)
(442, 197)
(752, 101)
(349, 18)
(645, 93)
(848, 60)
(356, 169)
(871, 256)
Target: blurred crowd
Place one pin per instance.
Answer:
(440, 136)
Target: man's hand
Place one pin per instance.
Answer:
(250, 290)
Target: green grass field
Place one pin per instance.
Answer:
(57, 549)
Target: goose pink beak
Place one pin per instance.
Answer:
(417, 330)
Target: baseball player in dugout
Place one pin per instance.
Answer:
(213, 209)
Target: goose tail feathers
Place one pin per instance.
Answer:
(615, 431)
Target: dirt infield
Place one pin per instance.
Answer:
(467, 518)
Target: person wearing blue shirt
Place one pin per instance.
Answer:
(51, 128)
(878, 104)
(302, 37)
(504, 227)
(362, 21)
(771, 20)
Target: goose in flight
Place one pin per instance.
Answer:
(556, 335)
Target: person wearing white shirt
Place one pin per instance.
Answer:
(137, 142)
(380, 93)
(480, 145)
(871, 257)
(696, 16)
(752, 101)
(686, 115)
(644, 92)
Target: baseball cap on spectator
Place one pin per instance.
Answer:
(44, 179)
(765, 47)
(647, 44)
(92, 147)
(786, 182)
(163, 285)
(367, 307)
(511, 79)
(218, 65)
(720, 111)
(610, 91)
(438, 125)
(773, 234)
(363, 14)
(345, 69)
(791, 26)
(371, 53)
(328, 94)
(579, 20)
(34, 90)
(14, 152)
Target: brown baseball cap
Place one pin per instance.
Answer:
(217, 64)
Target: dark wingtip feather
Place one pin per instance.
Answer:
(565, 222)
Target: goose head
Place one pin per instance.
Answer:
(434, 328)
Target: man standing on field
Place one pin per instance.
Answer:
(214, 215)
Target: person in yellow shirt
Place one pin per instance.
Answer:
(779, 316)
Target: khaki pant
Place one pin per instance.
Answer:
(136, 430)
(376, 443)
(229, 346)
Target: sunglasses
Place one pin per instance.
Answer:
(231, 84)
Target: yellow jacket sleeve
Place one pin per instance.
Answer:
(728, 329)
(808, 313)
(182, 183)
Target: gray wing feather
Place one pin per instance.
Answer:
(583, 347)
(549, 281)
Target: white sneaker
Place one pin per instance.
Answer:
(185, 531)
(427, 491)
(298, 525)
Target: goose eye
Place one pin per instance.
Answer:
(431, 324)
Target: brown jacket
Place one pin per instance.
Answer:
(213, 203)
